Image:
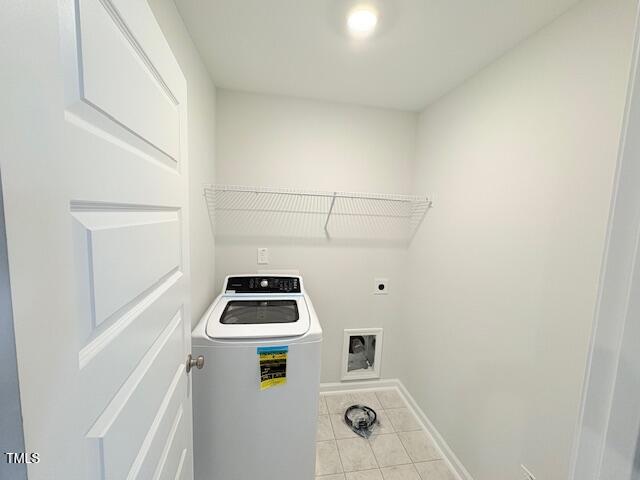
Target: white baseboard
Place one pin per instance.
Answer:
(445, 450)
(447, 453)
(338, 387)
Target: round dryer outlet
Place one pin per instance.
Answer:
(380, 286)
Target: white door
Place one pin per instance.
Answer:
(94, 165)
(607, 440)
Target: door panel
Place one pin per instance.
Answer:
(120, 79)
(162, 434)
(126, 420)
(129, 253)
(107, 361)
(174, 455)
(96, 214)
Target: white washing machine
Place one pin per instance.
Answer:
(256, 400)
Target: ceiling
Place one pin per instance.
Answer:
(422, 48)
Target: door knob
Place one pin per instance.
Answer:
(197, 362)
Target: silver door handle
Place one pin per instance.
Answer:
(194, 362)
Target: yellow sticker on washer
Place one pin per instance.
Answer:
(273, 366)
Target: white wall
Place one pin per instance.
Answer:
(201, 124)
(283, 142)
(504, 270)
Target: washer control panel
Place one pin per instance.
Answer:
(263, 284)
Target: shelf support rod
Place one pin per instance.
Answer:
(326, 223)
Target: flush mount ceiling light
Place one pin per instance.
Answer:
(362, 21)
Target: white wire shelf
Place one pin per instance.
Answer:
(261, 211)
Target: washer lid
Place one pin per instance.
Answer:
(258, 316)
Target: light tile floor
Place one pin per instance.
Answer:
(399, 448)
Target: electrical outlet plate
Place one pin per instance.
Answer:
(380, 286)
(263, 256)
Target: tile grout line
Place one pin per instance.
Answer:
(340, 458)
(395, 432)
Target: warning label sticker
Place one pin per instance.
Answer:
(273, 366)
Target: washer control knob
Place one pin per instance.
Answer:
(264, 283)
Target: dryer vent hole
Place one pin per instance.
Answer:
(362, 352)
